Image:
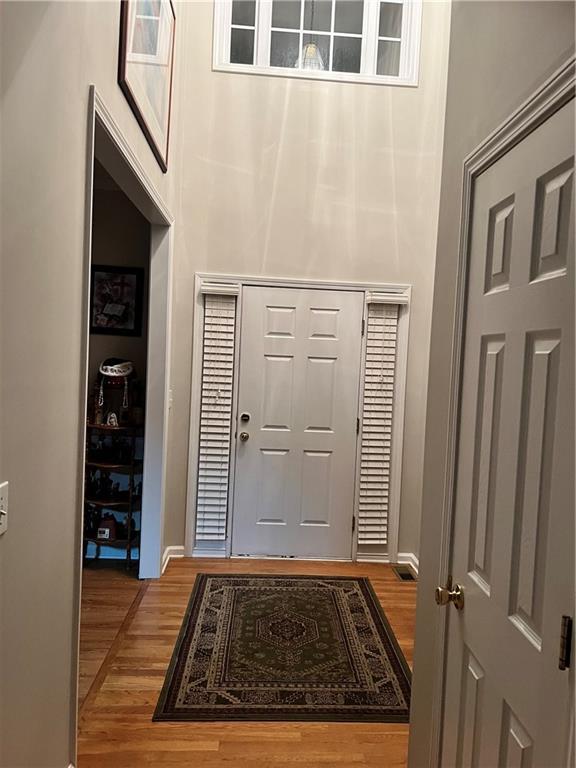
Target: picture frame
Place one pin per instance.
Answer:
(146, 67)
(116, 300)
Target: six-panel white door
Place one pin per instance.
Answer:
(299, 374)
(507, 702)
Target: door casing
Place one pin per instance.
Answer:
(428, 688)
(402, 290)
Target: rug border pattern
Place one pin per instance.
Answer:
(378, 615)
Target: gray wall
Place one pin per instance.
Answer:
(499, 53)
(50, 53)
(120, 237)
(269, 176)
(324, 180)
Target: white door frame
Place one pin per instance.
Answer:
(115, 153)
(106, 141)
(428, 688)
(233, 284)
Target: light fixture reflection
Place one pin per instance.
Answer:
(311, 57)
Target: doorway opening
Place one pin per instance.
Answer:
(124, 406)
(117, 367)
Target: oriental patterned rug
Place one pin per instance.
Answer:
(285, 648)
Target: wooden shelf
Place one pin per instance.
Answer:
(105, 465)
(122, 543)
(125, 503)
(121, 428)
(114, 502)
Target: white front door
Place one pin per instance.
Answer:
(296, 432)
(507, 703)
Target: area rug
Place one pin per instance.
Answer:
(285, 648)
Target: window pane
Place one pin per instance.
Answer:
(318, 15)
(242, 46)
(388, 58)
(315, 52)
(346, 55)
(349, 15)
(244, 12)
(284, 49)
(390, 20)
(286, 13)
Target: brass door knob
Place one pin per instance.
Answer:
(450, 594)
(244, 436)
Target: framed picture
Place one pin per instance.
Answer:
(116, 300)
(146, 63)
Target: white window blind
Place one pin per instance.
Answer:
(376, 445)
(215, 417)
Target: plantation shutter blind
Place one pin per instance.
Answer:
(376, 440)
(215, 417)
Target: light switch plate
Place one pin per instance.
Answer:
(3, 507)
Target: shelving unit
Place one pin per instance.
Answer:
(113, 489)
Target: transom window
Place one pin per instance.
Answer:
(364, 40)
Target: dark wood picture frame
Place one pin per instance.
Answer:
(161, 154)
(137, 309)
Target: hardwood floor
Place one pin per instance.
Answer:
(116, 731)
(108, 591)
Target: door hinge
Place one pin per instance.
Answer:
(358, 426)
(363, 326)
(353, 523)
(565, 643)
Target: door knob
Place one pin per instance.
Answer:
(450, 594)
(244, 436)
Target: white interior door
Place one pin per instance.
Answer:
(507, 702)
(297, 403)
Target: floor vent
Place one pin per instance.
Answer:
(404, 573)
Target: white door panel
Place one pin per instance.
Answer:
(299, 380)
(507, 703)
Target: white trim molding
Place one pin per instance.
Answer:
(211, 284)
(408, 558)
(137, 169)
(427, 701)
(171, 553)
(379, 297)
(404, 558)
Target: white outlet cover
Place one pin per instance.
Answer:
(3, 507)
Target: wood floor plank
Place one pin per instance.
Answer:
(107, 594)
(116, 730)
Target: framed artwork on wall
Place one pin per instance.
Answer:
(116, 300)
(145, 68)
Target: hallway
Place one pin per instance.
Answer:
(115, 721)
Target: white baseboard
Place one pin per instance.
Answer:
(211, 553)
(169, 554)
(405, 558)
(409, 558)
